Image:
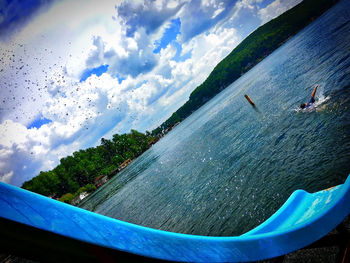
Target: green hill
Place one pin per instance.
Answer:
(259, 44)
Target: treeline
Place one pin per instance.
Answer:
(262, 42)
(77, 173)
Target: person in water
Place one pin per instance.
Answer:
(311, 101)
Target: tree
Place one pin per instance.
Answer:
(80, 170)
(67, 198)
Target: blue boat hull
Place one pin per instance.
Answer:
(32, 220)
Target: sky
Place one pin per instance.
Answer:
(74, 71)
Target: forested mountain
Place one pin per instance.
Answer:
(259, 44)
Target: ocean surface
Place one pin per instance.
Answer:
(228, 167)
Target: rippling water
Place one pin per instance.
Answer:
(228, 167)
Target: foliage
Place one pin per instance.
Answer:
(67, 198)
(77, 173)
(87, 188)
(248, 53)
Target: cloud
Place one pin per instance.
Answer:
(96, 55)
(6, 178)
(275, 9)
(19, 149)
(24, 152)
(197, 16)
(149, 14)
(139, 58)
(133, 57)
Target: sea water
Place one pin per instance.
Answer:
(229, 166)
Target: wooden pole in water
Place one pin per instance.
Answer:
(249, 100)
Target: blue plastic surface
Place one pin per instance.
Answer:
(303, 219)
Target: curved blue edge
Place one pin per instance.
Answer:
(303, 219)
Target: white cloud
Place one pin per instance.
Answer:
(11, 133)
(217, 12)
(6, 178)
(275, 9)
(149, 15)
(20, 147)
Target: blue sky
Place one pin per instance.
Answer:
(38, 122)
(98, 71)
(169, 35)
(73, 71)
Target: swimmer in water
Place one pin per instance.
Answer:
(311, 101)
